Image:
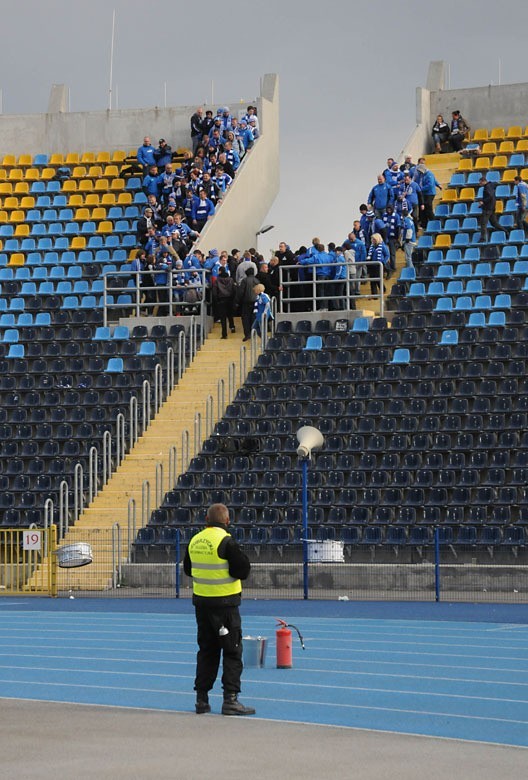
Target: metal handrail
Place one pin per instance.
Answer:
(323, 285)
(93, 468)
(185, 450)
(159, 483)
(131, 523)
(197, 433)
(116, 555)
(145, 502)
(64, 508)
(133, 422)
(173, 465)
(78, 490)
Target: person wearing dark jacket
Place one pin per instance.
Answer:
(224, 298)
(440, 133)
(245, 299)
(488, 202)
(217, 565)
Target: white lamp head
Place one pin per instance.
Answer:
(309, 439)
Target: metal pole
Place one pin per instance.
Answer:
(177, 572)
(437, 563)
(111, 62)
(304, 465)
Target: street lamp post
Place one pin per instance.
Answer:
(309, 438)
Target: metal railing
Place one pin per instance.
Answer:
(302, 286)
(148, 299)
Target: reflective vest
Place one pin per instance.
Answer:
(210, 573)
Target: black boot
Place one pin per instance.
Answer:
(202, 703)
(232, 706)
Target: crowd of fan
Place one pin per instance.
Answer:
(183, 197)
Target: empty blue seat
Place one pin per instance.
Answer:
(445, 271)
(516, 237)
(501, 268)
(477, 319)
(417, 288)
(435, 289)
(149, 348)
(484, 269)
(482, 302)
(401, 355)
(464, 303)
(360, 324)
(114, 366)
(11, 336)
(16, 351)
(407, 275)
(516, 160)
(455, 287)
(70, 302)
(449, 337)
(434, 226)
(121, 333)
(502, 301)
(497, 319)
(498, 237)
(520, 268)
(444, 304)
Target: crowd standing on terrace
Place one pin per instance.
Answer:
(183, 195)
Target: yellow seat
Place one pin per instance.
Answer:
(32, 174)
(6, 188)
(479, 135)
(10, 203)
(92, 199)
(9, 161)
(85, 185)
(506, 147)
(15, 174)
(17, 258)
(449, 196)
(75, 201)
(18, 215)
(102, 157)
(112, 172)
(443, 241)
(465, 164)
(108, 199)
(3, 217)
(98, 213)
(102, 185)
(56, 159)
(72, 158)
(133, 253)
(105, 226)
(78, 242)
(21, 188)
(95, 172)
(499, 162)
(88, 158)
(47, 174)
(497, 134)
(124, 199)
(117, 184)
(119, 155)
(69, 186)
(522, 145)
(25, 160)
(181, 150)
(3, 174)
(82, 215)
(27, 202)
(514, 132)
(509, 175)
(22, 230)
(466, 193)
(79, 172)
(489, 148)
(499, 207)
(482, 163)
(524, 174)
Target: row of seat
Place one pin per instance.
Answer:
(71, 158)
(256, 536)
(470, 223)
(89, 302)
(40, 213)
(87, 227)
(47, 195)
(514, 132)
(457, 495)
(496, 162)
(462, 240)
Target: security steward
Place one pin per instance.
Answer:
(217, 565)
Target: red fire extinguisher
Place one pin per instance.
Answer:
(284, 644)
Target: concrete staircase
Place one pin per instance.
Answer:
(176, 415)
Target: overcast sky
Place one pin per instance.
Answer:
(348, 73)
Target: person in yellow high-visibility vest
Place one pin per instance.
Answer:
(217, 565)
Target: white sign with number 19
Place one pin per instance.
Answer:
(31, 540)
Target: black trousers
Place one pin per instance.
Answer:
(212, 646)
(246, 315)
(224, 312)
(485, 217)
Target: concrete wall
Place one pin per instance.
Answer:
(491, 106)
